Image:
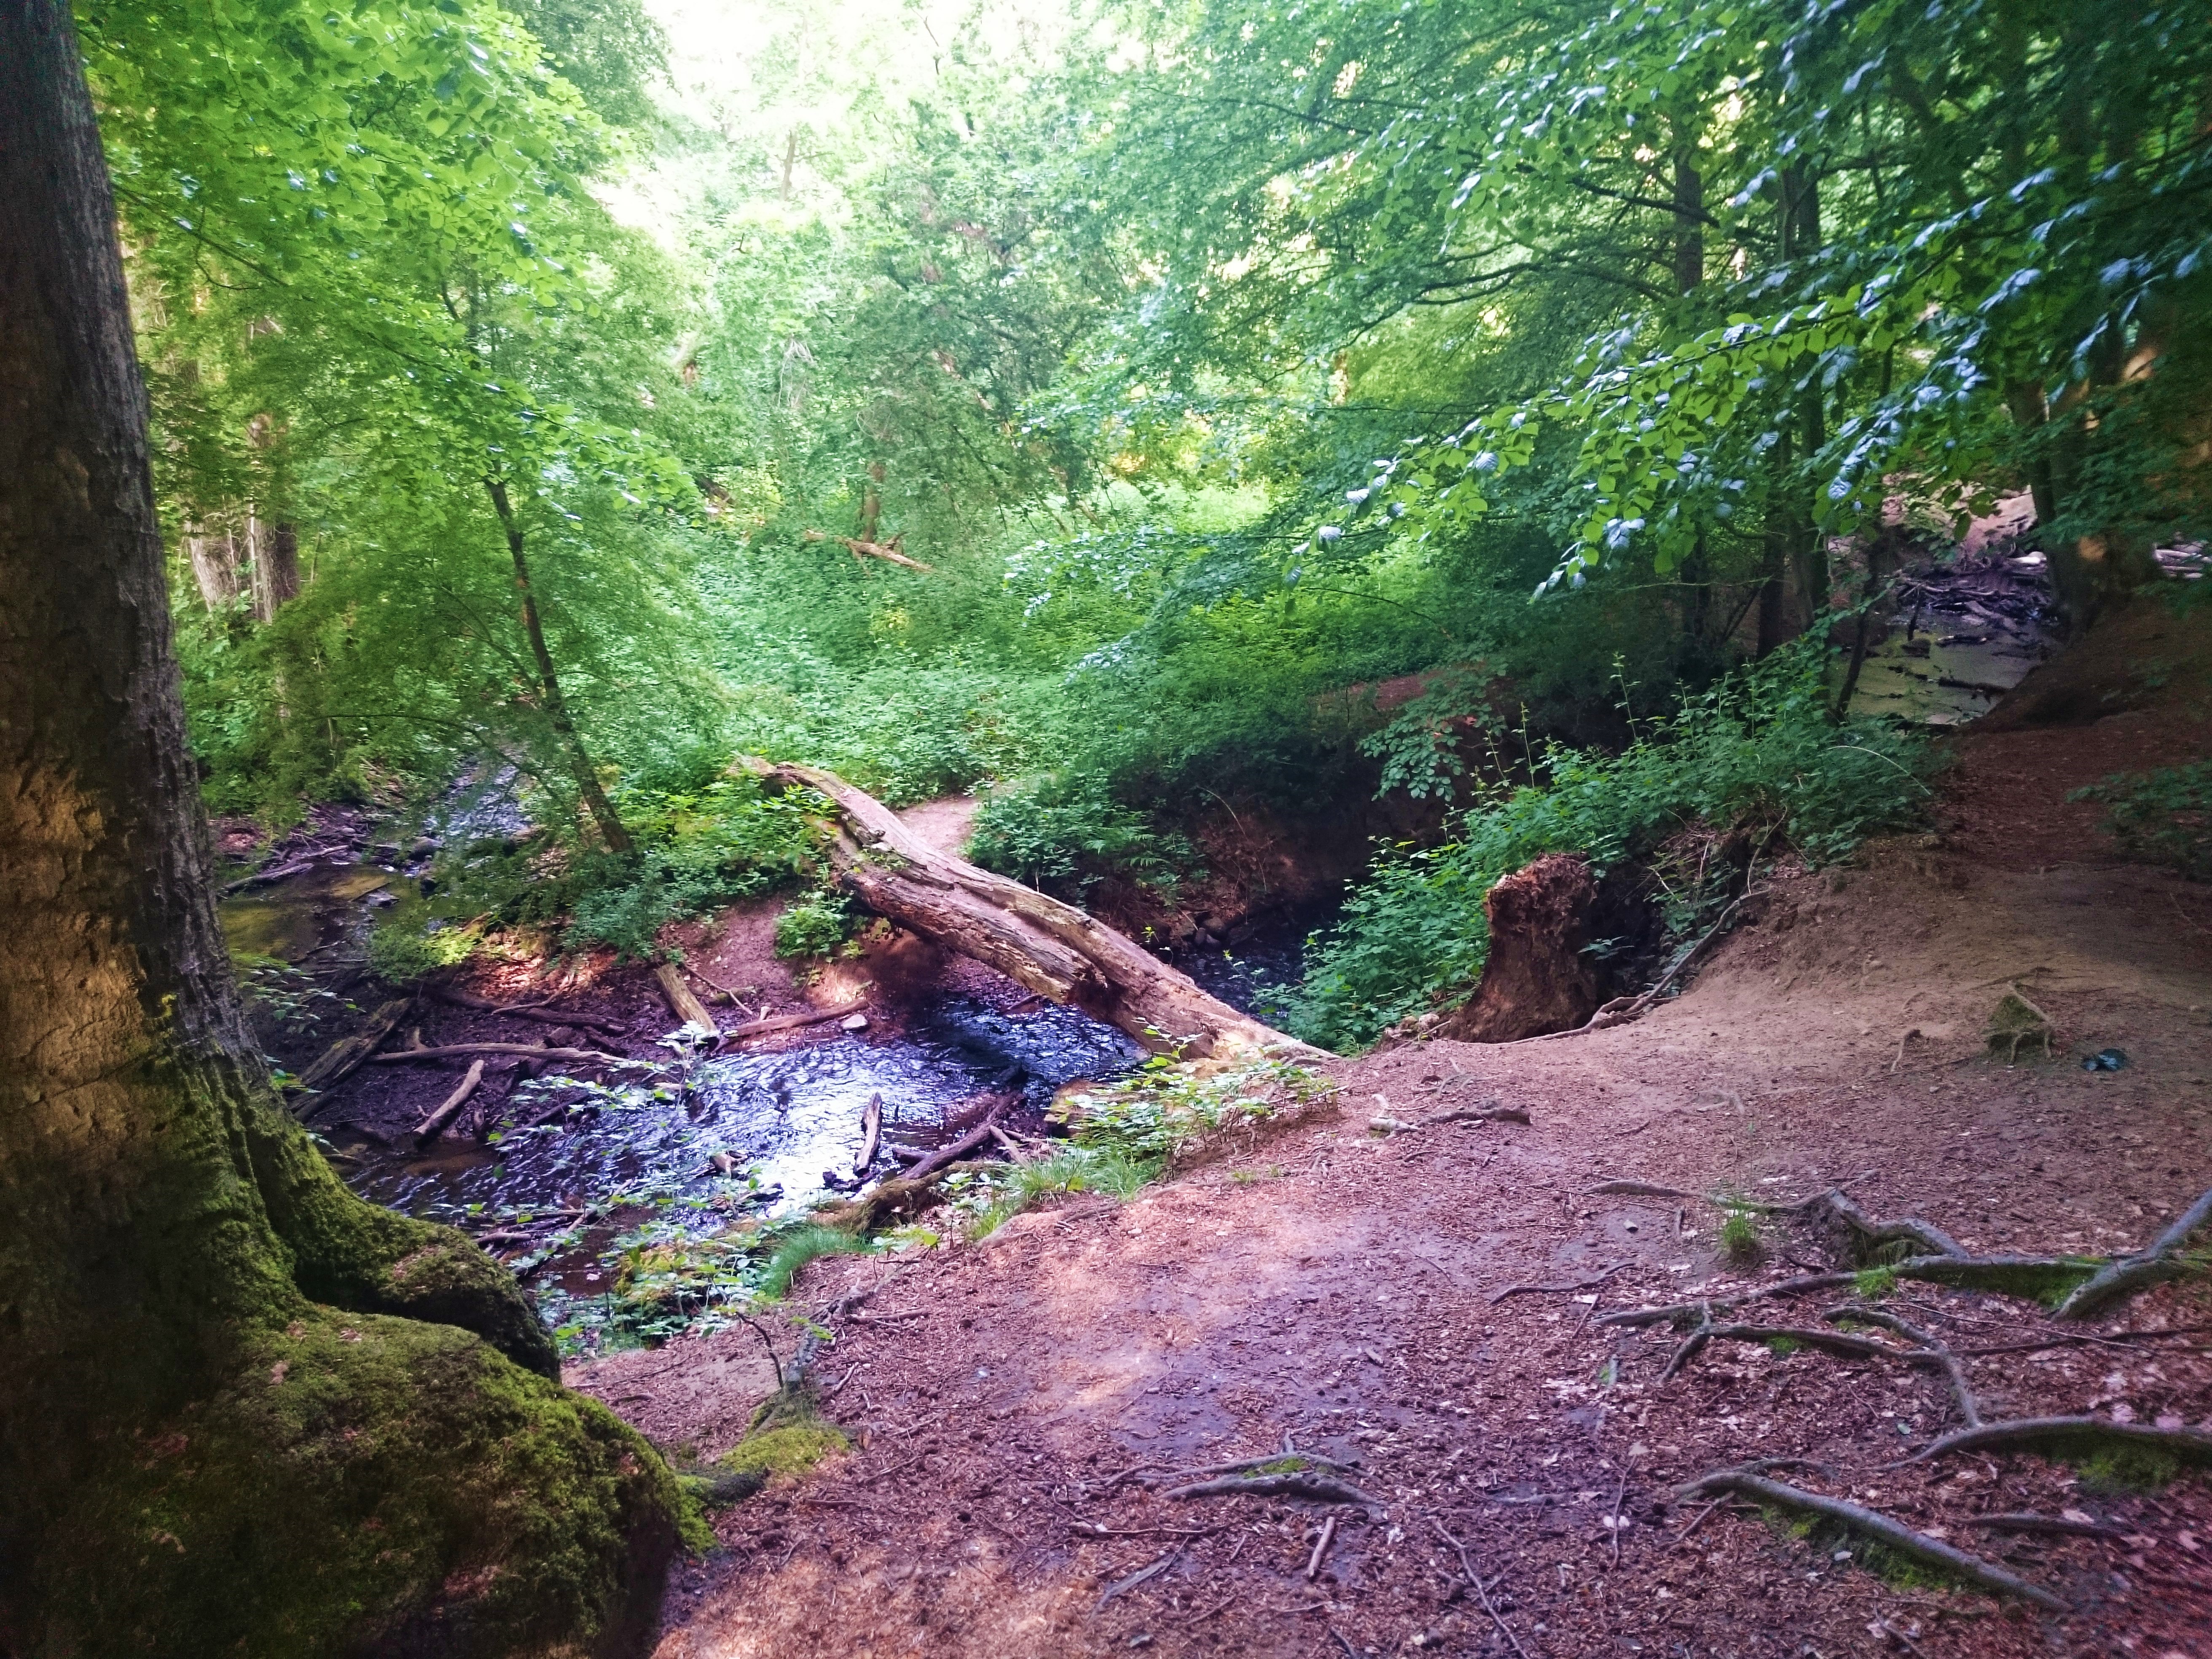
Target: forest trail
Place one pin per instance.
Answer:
(1339, 1287)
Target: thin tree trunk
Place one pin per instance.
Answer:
(173, 1248)
(1689, 221)
(617, 838)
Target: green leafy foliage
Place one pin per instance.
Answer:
(1166, 1104)
(1759, 749)
(1064, 831)
(817, 926)
(2165, 815)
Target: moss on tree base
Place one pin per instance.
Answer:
(361, 1485)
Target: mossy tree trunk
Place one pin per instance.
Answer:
(245, 1412)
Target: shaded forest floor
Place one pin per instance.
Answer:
(1340, 1287)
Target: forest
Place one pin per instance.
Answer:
(1121, 580)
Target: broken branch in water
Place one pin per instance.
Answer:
(683, 1001)
(1898, 1536)
(430, 1127)
(871, 1133)
(339, 1059)
(753, 1028)
(455, 1050)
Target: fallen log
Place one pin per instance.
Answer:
(339, 1059)
(1054, 949)
(871, 1134)
(431, 1127)
(683, 1001)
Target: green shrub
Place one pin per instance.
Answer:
(407, 944)
(2165, 815)
(1065, 831)
(1758, 748)
(1144, 1118)
(696, 848)
(817, 926)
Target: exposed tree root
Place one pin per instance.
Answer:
(1591, 1283)
(1932, 1354)
(1299, 1483)
(1674, 1312)
(2053, 1525)
(1893, 1534)
(1482, 1592)
(2155, 1265)
(2078, 1436)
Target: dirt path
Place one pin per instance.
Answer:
(1341, 1288)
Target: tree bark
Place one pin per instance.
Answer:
(275, 552)
(588, 787)
(173, 1248)
(1054, 949)
(215, 569)
(1689, 221)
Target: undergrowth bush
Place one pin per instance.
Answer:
(2165, 815)
(817, 926)
(1146, 1117)
(1064, 831)
(720, 840)
(1758, 748)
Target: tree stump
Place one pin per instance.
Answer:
(1537, 980)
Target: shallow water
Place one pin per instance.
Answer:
(783, 1120)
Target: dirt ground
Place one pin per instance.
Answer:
(1422, 1304)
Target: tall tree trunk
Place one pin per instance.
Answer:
(215, 569)
(274, 551)
(588, 787)
(243, 1411)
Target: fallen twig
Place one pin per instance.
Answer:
(1321, 1547)
(1579, 1285)
(2146, 1267)
(536, 1010)
(1479, 1115)
(1140, 1575)
(1482, 1594)
(1897, 1535)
